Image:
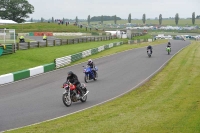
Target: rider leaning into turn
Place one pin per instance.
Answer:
(149, 48)
(92, 65)
(72, 78)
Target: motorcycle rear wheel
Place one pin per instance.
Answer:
(66, 100)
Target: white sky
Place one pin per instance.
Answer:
(82, 8)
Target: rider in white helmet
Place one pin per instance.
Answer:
(92, 65)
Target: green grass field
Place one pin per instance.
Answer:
(165, 104)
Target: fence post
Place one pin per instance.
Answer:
(73, 41)
(46, 43)
(78, 40)
(54, 42)
(38, 44)
(28, 45)
(13, 48)
(61, 42)
(17, 46)
(67, 41)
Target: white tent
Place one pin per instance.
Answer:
(7, 22)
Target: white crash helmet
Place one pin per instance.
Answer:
(90, 60)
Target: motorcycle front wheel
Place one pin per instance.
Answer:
(83, 99)
(86, 78)
(66, 100)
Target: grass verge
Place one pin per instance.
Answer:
(40, 56)
(166, 103)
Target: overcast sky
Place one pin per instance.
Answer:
(82, 8)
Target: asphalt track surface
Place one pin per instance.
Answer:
(40, 98)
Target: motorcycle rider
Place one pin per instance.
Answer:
(72, 78)
(92, 65)
(169, 45)
(149, 48)
(21, 38)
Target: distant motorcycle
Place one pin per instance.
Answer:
(149, 53)
(168, 50)
(90, 74)
(71, 94)
(21, 40)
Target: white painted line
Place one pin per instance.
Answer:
(141, 83)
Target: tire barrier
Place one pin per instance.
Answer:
(63, 61)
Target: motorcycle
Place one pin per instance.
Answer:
(90, 74)
(149, 53)
(168, 50)
(71, 94)
(21, 40)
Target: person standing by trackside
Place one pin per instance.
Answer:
(44, 37)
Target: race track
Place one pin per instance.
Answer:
(40, 98)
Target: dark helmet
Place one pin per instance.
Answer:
(70, 73)
(168, 42)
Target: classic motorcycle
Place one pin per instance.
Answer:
(71, 94)
(90, 74)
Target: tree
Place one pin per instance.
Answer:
(193, 18)
(129, 18)
(31, 19)
(115, 19)
(101, 19)
(88, 19)
(16, 10)
(160, 19)
(144, 18)
(52, 20)
(63, 20)
(42, 20)
(76, 19)
(105, 18)
(176, 18)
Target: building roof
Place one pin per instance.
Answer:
(7, 22)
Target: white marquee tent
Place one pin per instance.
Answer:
(7, 22)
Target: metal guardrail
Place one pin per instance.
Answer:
(57, 42)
